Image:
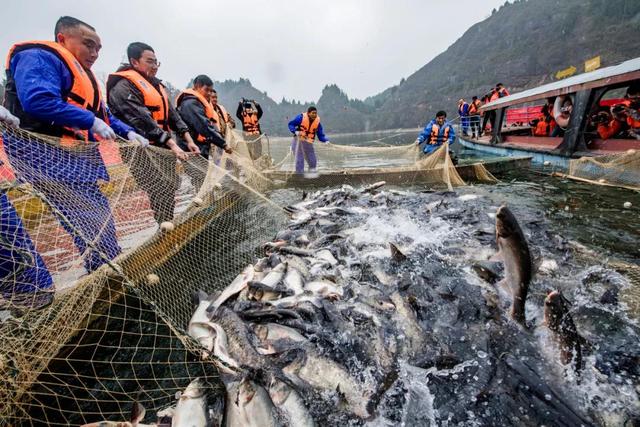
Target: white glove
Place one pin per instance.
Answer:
(8, 118)
(327, 142)
(134, 137)
(417, 141)
(102, 130)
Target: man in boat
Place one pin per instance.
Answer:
(487, 116)
(545, 124)
(250, 112)
(138, 98)
(52, 90)
(305, 127)
(463, 112)
(474, 116)
(435, 133)
(195, 108)
(201, 117)
(21, 266)
(226, 121)
(624, 119)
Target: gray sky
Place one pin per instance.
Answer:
(285, 47)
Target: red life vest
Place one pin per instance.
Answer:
(308, 129)
(84, 91)
(156, 101)
(474, 108)
(435, 130)
(250, 123)
(209, 112)
(633, 123)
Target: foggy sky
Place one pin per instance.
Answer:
(285, 47)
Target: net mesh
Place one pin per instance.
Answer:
(620, 170)
(102, 246)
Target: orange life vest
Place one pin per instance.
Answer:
(474, 107)
(84, 91)
(209, 111)
(435, 130)
(494, 95)
(308, 129)
(250, 123)
(221, 117)
(156, 101)
(633, 123)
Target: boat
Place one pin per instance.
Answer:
(590, 94)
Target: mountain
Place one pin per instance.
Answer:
(522, 44)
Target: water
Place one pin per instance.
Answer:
(589, 217)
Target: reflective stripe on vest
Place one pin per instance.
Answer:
(209, 112)
(84, 91)
(435, 130)
(308, 129)
(250, 123)
(156, 101)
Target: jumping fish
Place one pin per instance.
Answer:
(514, 253)
(559, 321)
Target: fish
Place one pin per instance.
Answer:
(240, 339)
(274, 277)
(238, 284)
(518, 266)
(277, 338)
(325, 374)
(137, 415)
(559, 321)
(396, 254)
(191, 409)
(257, 291)
(249, 405)
(486, 270)
(324, 289)
(371, 188)
(199, 327)
(407, 321)
(294, 279)
(289, 401)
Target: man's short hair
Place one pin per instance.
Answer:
(135, 49)
(499, 84)
(441, 113)
(202, 80)
(66, 22)
(214, 92)
(312, 108)
(474, 98)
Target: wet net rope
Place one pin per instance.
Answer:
(102, 246)
(618, 170)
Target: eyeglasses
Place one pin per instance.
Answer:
(153, 62)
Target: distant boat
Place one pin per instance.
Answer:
(590, 93)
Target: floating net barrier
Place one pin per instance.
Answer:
(619, 170)
(103, 245)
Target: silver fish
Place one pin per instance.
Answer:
(290, 402)
(238, 284)
(191, 410)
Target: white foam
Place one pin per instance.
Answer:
(466, 197)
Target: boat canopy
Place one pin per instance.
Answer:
(625, 71)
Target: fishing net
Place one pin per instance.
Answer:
(102, 247)
(619, 170)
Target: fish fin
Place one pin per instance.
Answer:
(137, 413)
(396, 253)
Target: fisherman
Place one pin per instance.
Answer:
(200, 116)
(474, 116)
(545, 123)
(52, 90)
(250, 112)
(488, 116)
(226, 121)
(21, 267)
(305, 127)
(463, 112)
(140, 99)
(435, 133)
(624, 120)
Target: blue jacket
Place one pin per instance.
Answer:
(41, 79)
(425, 135)
(295, 124)
(463, 110)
